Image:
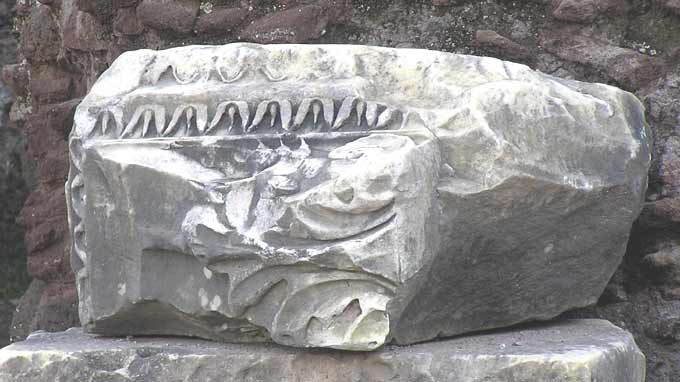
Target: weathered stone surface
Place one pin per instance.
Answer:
(79, 27)
(6, 312)
(176, 16)
(295, 25)
(221, 19)
(26, 309)
(625, 66)
(492, 39)
(50, 84)
(345, 196)
(574, 351)
(126, 22)
(587, 10)
(673, 6)
(16, 78)
(42, 41)
(669, 167)
(665, 264)
(46, 307)
(99, 8)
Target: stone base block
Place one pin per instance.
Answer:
(567, 351)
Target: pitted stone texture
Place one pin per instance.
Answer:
(572, 351)
(345, 196)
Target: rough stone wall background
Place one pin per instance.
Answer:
(634, 44)
(13, 276)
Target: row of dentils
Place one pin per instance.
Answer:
(353, 113)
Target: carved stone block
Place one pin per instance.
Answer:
(345, 196)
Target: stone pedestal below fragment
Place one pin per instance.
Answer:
(573, 351)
